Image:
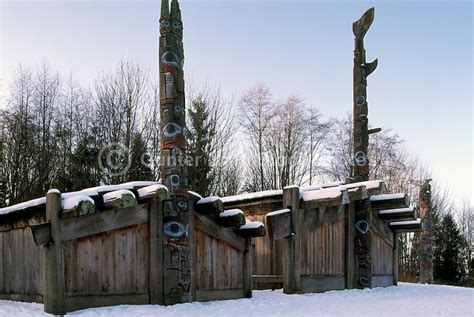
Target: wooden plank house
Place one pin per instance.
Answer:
(105, 246)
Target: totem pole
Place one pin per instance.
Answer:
(362, 69)
(177, 220)
(426, 248)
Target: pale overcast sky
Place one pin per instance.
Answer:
(422, 88)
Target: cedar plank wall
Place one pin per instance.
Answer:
(109, 263)
(323, 250)
(20, 275)
(382, 262)
(219, 268)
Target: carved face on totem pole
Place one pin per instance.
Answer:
(172, 104)
(362, 70)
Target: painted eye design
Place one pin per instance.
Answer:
(165, 24)
(360, 101)
(362, 226)
(182, 204)
(174, 181)
(174, 229)
(178, 110)
(360, 158)
(172, 130)
(171, 59)
(177, 25)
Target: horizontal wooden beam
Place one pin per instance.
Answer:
(119, 199)
(209, 206)
(398, 214)
(279, 224)
(231, 218)
(219, 294)
(252, 231)
(389, 201)
(406, 226)
(84, 226)
(212, 229)
(74, 303)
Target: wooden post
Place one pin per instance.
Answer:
(395, 258)
(426, 241)
(177, 220)
(156, 251)
(292, 260)
(53, 259)
(350, 236)
(362, 245)
(192, 242)
(362, 70)
(248, 268)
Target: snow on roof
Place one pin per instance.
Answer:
(396, 211)
(251, 225)
(387, 197)
(278, 212)
(116, 195)
(252, 196)
(94, 191)
(194, 194)
(320, 186)
(25, 205)
(74, 201)
(230, 213)
(150, 190)
(327, 193)
(409, 222)
(208, 200)
(54, 191)
(369, 184)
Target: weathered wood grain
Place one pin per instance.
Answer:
(227, 235)
(279, 225)
(74, 228)
(292, 266)
(53, 271)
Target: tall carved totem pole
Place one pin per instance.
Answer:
(426, 241)
(177, 220)
(362, 70)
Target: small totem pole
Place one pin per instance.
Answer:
(426, 248)
(362, 69)
(177, 220)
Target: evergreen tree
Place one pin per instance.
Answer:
(139, 161)
(84, 171)
(448, 263)
(201, 132)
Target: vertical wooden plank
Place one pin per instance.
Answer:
(349, 246)
(192, 248)
(142, 245)
(395, 259)
(2, 269)
(7, 252)
(247, 267)
(53, 274)
(155, 288)
(108, 272)
(292, 265)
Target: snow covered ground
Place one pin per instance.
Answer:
(404, 300)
